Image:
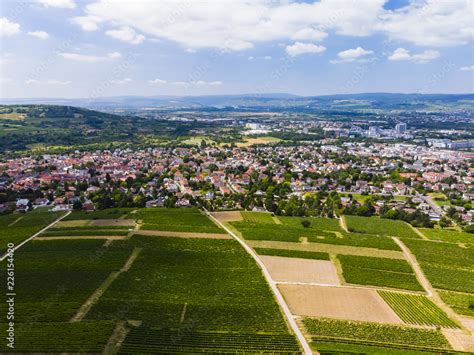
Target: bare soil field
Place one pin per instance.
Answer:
(227, 216)
(327, 248)
(183, 234)
(338, 302)
(284, 269)
(112, 222)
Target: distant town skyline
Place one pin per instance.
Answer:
(99, 48)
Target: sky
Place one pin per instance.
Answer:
(101, 48)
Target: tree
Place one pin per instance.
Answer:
(444, 222)
(305, 223)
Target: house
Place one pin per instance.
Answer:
(22, 204)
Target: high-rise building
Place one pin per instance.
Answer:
(401, 128)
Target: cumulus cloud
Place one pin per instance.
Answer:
(63, 4)
(265, 57)
(299, 48)
(126, 34)
(88, 58)
(157, 81)
(402, 54)
(358, 54)
(8, 28)
(240, 25)
(39, 34)
(469, 68)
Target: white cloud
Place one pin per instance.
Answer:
(354, 53)
(266, 57)
(469, 68)
(157, 81)
(62, 4)
(6, 80)
(39, 34)
(8, 28)
(121, 81)
(206, 83)
(89, 58)
(126, 34)
(87, 23)
(299, 48)
(240, 25)
(430, 23)
(47, 82)
(401, 54)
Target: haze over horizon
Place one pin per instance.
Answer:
(91, 49)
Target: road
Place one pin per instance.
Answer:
(281, 301)
(36, 234)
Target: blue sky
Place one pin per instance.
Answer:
(71, 48)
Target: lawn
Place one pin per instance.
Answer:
(417, 309)
(378, 272)
(380, 226)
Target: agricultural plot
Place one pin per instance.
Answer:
(84, 232)
(53, 278)
(194, 285)
(291, 230)
(298, 270)
(87, 337)
(293, 253)
(419, 310)
(447, 266)
(366, 333)
(176, 220)
(111, 213)
(151, 340)
(378, 272)
(380, 226)
(13, 231)
(461, 303)
(338, 302)
(258, 217)
(449, 236)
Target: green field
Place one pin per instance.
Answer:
(419, 310)
(447, 266)
(84, 232)
(176, 219)
(449, 236)
(380, 226)
(321, 230)
(378, 272)
(28, 224)
(257, 217)
(111, 213)
(365, 333)
(293, 253)
(462, 303)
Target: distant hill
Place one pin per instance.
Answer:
(281, 101)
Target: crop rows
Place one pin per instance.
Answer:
(112, 213)
(374, 333)
(176, 219)
(416, 309)
(380, 226)
(462, 303)
(257, 217)
(293, 253)
(382, 272)
(83, 232)
(149, 340)
(449, 236)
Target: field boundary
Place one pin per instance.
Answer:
(279, 297)
(92, 300)
(36, 234)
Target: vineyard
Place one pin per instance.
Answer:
(15, 228)
(293, 253)
(380, 226)
(176, 220)
(365, 333)
(149, 340)
(258, 217)
(378, 272)
(449, 236)
(414, 309)
(112, 213)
